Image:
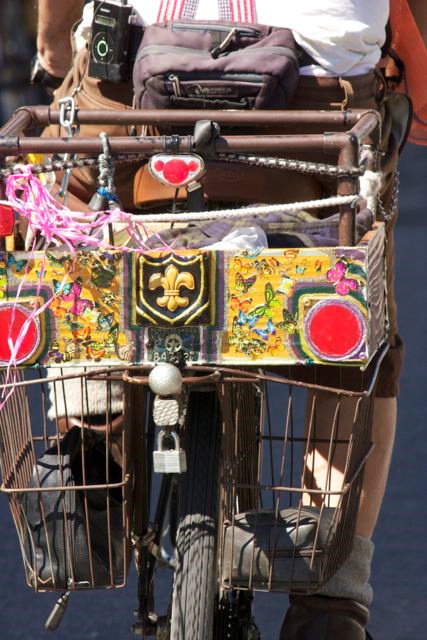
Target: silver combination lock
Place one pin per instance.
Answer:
(169, 460)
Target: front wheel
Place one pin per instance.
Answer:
(195, 583)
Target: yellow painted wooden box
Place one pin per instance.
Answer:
(270, 306)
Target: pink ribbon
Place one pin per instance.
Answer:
(58, 225)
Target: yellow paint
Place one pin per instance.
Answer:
(86, 332)
(268, 336)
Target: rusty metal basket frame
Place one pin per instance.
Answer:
(298, 493)
(346, 132)
(21, 446)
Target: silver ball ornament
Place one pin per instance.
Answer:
(165, 379)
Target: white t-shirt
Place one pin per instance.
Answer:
(343, 36)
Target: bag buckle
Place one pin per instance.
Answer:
(220, 48)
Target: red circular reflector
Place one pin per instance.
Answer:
(334, 329)
(12, 319)
(176, 171)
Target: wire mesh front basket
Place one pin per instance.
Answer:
(67, 472)
(291, 482)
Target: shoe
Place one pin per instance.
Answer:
(324, 618)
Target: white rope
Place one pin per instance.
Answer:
(246, 211)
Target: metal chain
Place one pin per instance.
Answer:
(61, 165)
(293, 165)
(267, 162)
(386, 216)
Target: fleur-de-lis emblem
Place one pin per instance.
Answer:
(172, 281)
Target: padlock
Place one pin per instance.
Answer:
(169, 460)
(99, 200)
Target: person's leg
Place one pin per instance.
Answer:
(321, 474)
(377, 466)
(341, 608)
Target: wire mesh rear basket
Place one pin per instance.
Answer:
(68, 480)
(291, 482)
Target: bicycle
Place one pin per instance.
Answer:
(222, 544)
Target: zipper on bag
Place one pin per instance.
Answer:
(155, 49)
(249, 32)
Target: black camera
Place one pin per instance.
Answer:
(110, 42)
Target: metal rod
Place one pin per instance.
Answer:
(155, 144)
(265, 118)
(20, 121)
(234, 375)
(368, 123)
(348, 157)
(92, 487)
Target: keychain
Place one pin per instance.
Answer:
(69, 124)
(105, 196)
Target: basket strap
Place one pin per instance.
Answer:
(230, 10)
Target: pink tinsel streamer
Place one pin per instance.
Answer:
(61, 227)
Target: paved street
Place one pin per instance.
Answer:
(400, 570)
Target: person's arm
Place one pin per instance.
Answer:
(54, 23)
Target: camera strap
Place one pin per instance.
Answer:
(229, 10)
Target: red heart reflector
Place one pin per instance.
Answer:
(178, 170)
(7, 220)
(12, 320)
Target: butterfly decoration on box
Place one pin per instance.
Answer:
(340, 275)
(19, 266)
(267, 331)
(266, 266)
(289, 256)
(103, 271)
(242, 265)
(276, 347)
(247, 335)
(82, 340)
(244, 284)
(252, 253)
(108, 298)
(105, 321)
(71, 292)
(63, 263)
(54, 352)
(236, 304)
(265, 310)
(287, 284)
(289, 323)
(301, 267)
(85, 258)
(240, 338)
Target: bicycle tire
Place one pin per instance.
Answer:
(195, 581)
